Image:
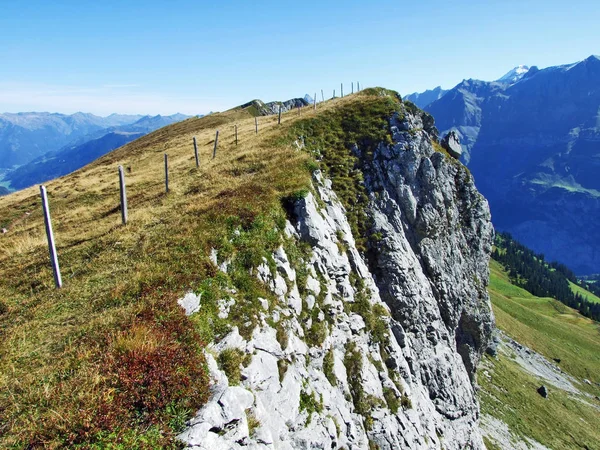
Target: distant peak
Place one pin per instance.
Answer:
(514, 75)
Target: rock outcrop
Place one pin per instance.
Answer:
(451, 142)
(270, 108)
(373, 350)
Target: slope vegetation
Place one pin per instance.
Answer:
(110, 359)
(571, 345)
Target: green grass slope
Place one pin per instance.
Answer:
(509, 392)
(584, 293)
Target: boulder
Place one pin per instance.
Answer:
(451, 142)
(543, 391)
(492, 348)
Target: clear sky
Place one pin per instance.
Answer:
(167, 56)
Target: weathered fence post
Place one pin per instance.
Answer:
(352, 84)
(279, 120)
(341, 90)
(196, 153)
(358, 86)
(333, 94)
(123, 195)
(236, 135)
(256, 125)
(216, 142)
(166, 173)
(315, 101)
(50, 236)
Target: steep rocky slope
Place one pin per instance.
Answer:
(371, 350)
(333, 268)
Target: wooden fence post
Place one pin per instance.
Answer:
(358, 86)
(322, 96)
(50, 236)
(166, 173)
(256, 125)
(196, 153)
(279, 120)
(216, 142)
(123, 196)
(352, 84)
(236, 142)
(341, 90)
(315, 101)
(333, 94)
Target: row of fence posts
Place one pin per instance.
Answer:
(123, 192)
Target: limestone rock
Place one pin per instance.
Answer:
(419, 336)
(451, 142)
(190, 303)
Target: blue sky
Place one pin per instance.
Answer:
(194, 56)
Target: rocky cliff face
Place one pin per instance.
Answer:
(364, 350)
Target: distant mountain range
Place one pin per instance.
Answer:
(88, 137)
(25, 136)
(532, 141)
(423, 99)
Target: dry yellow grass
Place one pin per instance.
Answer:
(53, 341)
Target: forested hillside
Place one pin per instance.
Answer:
(545, 279)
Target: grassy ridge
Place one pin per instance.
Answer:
(555, 331)
(110, 360)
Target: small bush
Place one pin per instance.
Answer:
(310, 404)
(282, 367)
(373, 445)
(312, 165)
(406, 402)
(253, 423)
(230, 361)
(390, 398)
(318, 331)
(156, 368)
(341, 244)
(282, 335)
(328, 363)
(353, 363)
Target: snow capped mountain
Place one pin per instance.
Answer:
(514, 75)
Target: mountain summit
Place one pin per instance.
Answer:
(514, 75)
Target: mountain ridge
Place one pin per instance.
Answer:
(84, 150)
(259, 237)
(531, 145)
